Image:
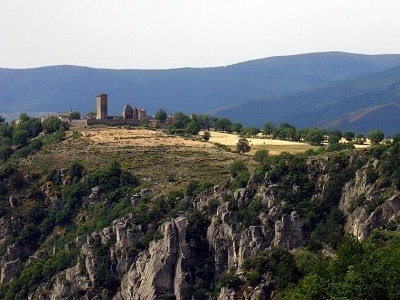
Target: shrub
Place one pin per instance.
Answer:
(236, 167)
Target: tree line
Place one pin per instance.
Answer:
(26, 135)
(192, 124)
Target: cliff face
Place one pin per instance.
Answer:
(267, 214)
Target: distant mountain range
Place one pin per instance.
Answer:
(349, 91)
(360, 104)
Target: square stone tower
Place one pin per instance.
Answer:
(101, 107)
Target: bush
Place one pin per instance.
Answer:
(237, 167)
(261, 155)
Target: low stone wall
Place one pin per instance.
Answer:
(113, 122)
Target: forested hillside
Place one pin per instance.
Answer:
(62, 88)
(82, 218)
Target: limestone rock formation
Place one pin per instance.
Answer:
(289, 232)
(162, 270)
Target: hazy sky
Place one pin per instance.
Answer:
(149, 34)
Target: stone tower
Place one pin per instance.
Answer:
(101, 107)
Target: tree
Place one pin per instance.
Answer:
(74, 115)
(20, 137)
(314, 137)
(261, 155)
(360, 139)
(286, 132)
(236, 167)
(206, 135)
(33, 126)
(2, 120)
(161, 115)
(269, 129)
(376, 136)
(193, 127)
(23, 117)
(250, 131)
(334, 136)
(52, 125)
(180, 121)
(348, 135)
(236, 127)
(222, 124)
(243, 145)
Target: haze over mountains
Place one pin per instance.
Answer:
(349, 91)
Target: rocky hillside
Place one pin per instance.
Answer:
(280, 233)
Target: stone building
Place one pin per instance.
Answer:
(101, 107)
(127, 112)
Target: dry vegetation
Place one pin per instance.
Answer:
(274, 146)
(160, 160)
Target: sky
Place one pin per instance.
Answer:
(164, 34)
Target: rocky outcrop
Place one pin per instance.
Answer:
(11, 262)
(162, 270)
(289, 233)
(362, 221)
(222, 239)
(366, 206)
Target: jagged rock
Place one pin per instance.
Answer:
(68, 284)
(162, 270)
(11, 262)
(360, 223)
(227, 294)
(8, 269)
(243, 196)
(289, 232)
(13, 201)
(3, 228)
(222, 240)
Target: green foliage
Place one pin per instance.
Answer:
(243, 146)
(179, 121)
(5, 152)
(20, 137)
(38, 272)
(328, 232)
(195, 187)
(313, 136)
(236, 167)
(161, 115)
(279, 263)
(203, 270)
(376, 136)
(240, 181)
(76, 171)
(334, 136)
(261, 155)
(111, 178)
(248, 216)
(269, 129)
(230, 280)
(349, 136)
(286, 132)
(339, 147)
(206, 135)
(360, 271)
(222, 124)
(52, 125)
(54, 137)
(236, 127)
(74, 115)
(193, 127)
